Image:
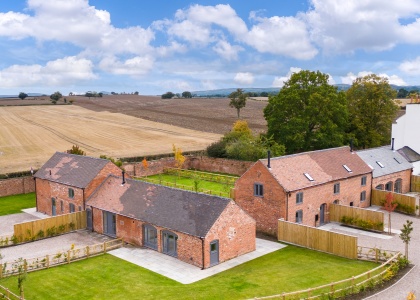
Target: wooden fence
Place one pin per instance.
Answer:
(5, 293)
(415, 183)
(359, 217)
(318, 239)
(344, 287)
(406, 204)
(33, 230)
(60, 258)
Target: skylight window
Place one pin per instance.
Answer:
(347, 168)
(380, 164)
(397, 160)
(308, 176)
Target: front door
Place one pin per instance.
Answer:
(110, 223)
(89, 219)
(53, 207)
(214, 253)
(322, 214)
(169, 240)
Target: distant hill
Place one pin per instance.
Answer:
(16, 96)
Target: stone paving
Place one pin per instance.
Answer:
(183, 272)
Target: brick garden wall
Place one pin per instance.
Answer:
(202, 163)
(15, 186)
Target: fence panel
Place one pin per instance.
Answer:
(415, 183)
(318, 239)
(360, 217)
(49, 227)
(406, 203)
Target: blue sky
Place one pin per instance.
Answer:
(157, 46)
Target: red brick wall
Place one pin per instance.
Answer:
(268, 209)
(404, 175)
(109, 168)
(202, 163)
(235, 230)
(45, 190)
(15, 186)
(265, 210)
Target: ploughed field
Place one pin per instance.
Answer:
(204, 114)
(29, 135)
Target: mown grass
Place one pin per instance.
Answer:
(14, 204)
(108, 277)
(186, 183)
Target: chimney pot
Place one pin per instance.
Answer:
(123, 177)
(392, 144)
(351, 145)
(268, 157)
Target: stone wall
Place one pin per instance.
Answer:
(202, 163)
(15, 186)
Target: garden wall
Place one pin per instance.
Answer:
(202, 163)
(15, 186)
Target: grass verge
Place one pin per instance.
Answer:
(108, 277)
(14, 204)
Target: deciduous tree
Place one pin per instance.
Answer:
(186, 94)
(307, 114)
(237, 100)
(56, 96)
(372, 110)
(22, 95)
(168, 95)
(179, 158)
(405, 235)
(389, 206)
(75, 149)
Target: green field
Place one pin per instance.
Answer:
(14, 204)
(107, 277)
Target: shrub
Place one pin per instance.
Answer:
(217, 149)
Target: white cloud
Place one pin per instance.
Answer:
(227, 51)
(411, 67)
(281, 35)
(244, 78)
(344, 26)
(279, 81)
(392, 79)
(68, 70)
(134, 66)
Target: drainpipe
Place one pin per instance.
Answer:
(287, 206)
(36, 196)
(202, 251)
(84, 202)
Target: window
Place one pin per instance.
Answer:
(258, 189)
(379, 187)
(363, 181)
(398, 186)
(169, 243)
(347, 168)
(362, 196)
(110, 223)
(72, 208)
(336, 201)
(150, 236)
(308, 176)
(71, 193)
(380, 164)
(62, 206)
(337, 188)
(351, 203)
(299, 216)
(299, 198)
(80, 208)
(388, 186)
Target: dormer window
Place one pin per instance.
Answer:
(308, 176)
(347, 168)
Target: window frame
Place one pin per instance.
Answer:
(147, 229)
(363, 181)
(336, 188)
(71, 193)
(258, 189)
(299, 198)
(72, 208)
(363, 196)
(299, 216)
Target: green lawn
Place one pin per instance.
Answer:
(14, 204)
(188, 184)
(108, 277)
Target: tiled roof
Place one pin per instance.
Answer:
(174, 209)
(384, 161)
(70, 169)
(322, 166)
(409, 154)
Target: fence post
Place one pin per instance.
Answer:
(1, 271)
(7, 293)
(352, 285)
(87, 251)
(104, 247)
(68, 256)
(309, 293)
(47, 258)
(376, 255)
(332, 289)
(284, 296)
(25, 265)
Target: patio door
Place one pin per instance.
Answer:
(322, 209)
(110, 223)
(89, 219)
(214, 252)
(53, 207)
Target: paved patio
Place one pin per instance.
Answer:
(183, 272)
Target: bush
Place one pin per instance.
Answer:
(217, 149)
(362, 223)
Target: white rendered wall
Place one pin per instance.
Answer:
(406, 131)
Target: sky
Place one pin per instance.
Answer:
(158, 46)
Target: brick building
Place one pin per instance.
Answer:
(199, 229)
(65, 181)
(391, 171)
(300, 187)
